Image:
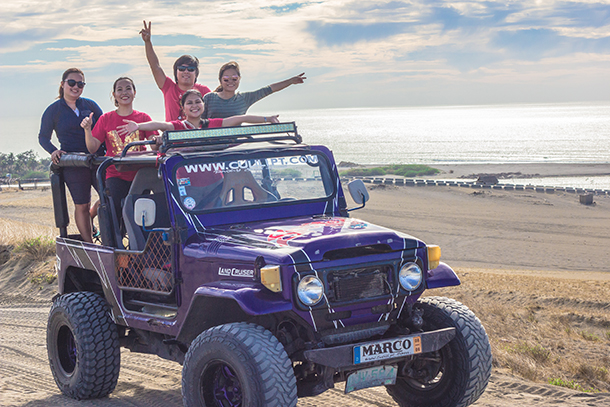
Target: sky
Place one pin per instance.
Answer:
(354, 53)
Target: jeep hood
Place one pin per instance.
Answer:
(315, 237)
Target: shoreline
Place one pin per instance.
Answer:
(538, 170)
(586, 176)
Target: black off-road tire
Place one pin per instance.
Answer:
(238, 364)
(83, 346)
(465, 361)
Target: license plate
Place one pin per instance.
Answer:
(387, 349)
(371, 377)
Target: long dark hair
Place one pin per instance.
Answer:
(228, 65)
(114, 87)
(63, 79)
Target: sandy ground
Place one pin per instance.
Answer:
(537, 240)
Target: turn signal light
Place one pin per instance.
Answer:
(270, 277)
(434, 256)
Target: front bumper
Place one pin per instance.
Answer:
(357, 355)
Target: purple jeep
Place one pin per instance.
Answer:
(234, 255)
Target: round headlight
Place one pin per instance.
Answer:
(410, 276)
(310, 290)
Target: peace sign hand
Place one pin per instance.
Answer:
(146, 31)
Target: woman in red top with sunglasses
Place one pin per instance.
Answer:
(186, 70)
(64, 117)
(225, 101)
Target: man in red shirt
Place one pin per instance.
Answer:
(186, 70)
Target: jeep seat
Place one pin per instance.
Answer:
(145, 184)
(236, 186)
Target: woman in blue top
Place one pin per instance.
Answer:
(64, 117)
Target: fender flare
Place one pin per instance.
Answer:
(214, 305)
(442, 276)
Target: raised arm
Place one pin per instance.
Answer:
(151, 56)
(92, 143)
(275, 87)
(248, 118)
(132, 126)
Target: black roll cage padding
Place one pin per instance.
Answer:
(77, 160)
(58, 186)
(60, 205)
(109, 228)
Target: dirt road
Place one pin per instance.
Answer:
(148, 381)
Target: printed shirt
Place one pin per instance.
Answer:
(172, 95)
(105, 131)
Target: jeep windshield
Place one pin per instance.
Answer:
(264, 178)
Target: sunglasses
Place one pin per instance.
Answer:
(72, 82)
(233, 78)
(189, 68)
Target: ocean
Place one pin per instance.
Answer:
(515, 133)
(519, 133)
(565, 133)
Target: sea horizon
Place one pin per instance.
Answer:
(475, 134)
(461, 134)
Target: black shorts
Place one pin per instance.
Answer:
(79, 181)
(118, 189)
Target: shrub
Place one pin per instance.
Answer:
(39, 248)
(403, 170)
(570, 384)
(536, 352)
(589, 337)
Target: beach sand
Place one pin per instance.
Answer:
(535, 268)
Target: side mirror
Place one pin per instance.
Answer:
(145, 211)
(359, 194)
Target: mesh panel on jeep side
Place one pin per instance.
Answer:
(149, 270)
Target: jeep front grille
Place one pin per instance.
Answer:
(349, 285)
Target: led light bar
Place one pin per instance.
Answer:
(198, 134)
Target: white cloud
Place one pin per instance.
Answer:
(347, 48)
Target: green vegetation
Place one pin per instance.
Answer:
(39, 248)
(535, 352)
(570, 384)
(589, 337)
(402, 170)
(24, 165)
(44, 278)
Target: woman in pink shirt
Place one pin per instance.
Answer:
(106, 131)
